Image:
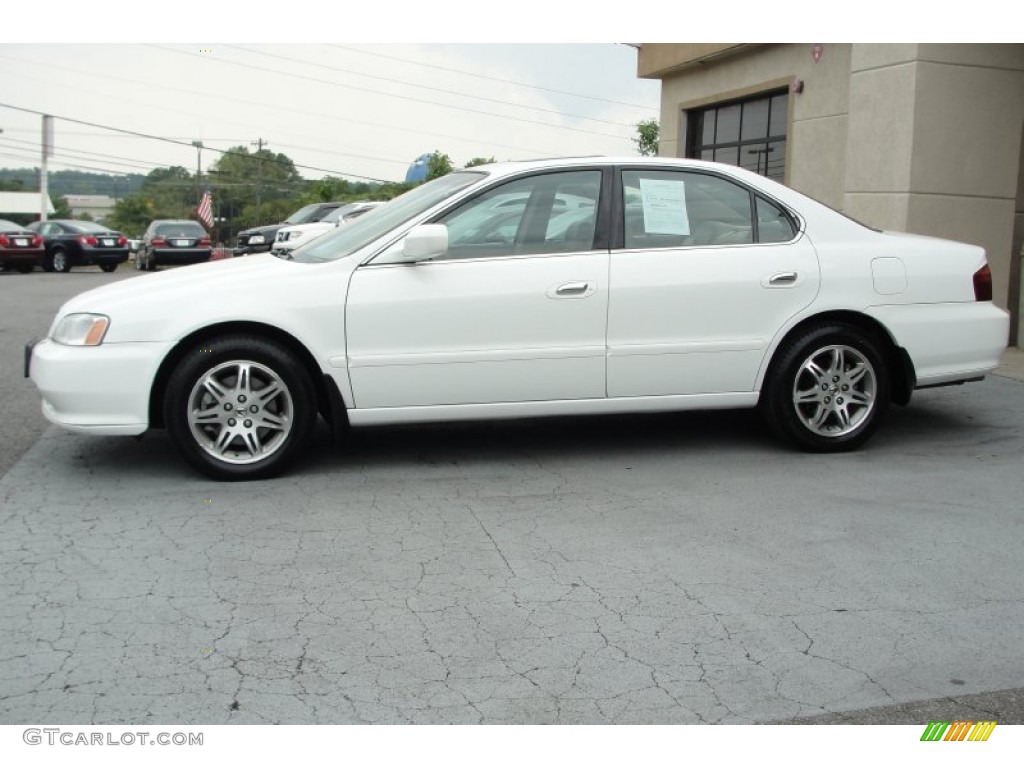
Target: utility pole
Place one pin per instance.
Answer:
(259, 178)
(44, 197)
(199, 170)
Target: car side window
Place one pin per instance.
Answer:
(672, 209)
(774, 225)
(545, 213)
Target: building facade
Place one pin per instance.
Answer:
(923, 138)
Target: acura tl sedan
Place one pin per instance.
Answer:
(556, 287)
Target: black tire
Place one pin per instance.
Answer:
(221, 422)
(26, 268)
(60, 261)
(108, 267)
(827, 389)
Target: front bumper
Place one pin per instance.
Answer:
(101, 390)
(245, 250)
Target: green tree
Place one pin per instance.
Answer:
(242, 181)
(61, 209)
(132, 214)
(647, 137)
(439, 165)
(479, 161)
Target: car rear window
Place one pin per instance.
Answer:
(182, 229)
(87, 226)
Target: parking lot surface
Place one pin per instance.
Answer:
(643, 569)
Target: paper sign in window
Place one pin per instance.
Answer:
(664, 207)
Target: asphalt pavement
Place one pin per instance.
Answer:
(646, 569)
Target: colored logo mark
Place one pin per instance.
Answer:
(958, 730)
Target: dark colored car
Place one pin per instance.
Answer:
(20, 248)
(168, 241)
(260, 239)
(71, 243)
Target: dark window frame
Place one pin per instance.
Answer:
(696, 118)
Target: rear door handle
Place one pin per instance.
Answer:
(782, 279)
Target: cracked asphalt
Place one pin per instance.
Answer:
(650, 569)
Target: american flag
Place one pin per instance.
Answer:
(205, 210)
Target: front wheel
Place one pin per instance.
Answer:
(240, 408)
(829, 390)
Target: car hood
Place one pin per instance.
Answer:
(264, 230)
(310, 227)
(162, 306)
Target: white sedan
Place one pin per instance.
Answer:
(296, 235)
(554, 287)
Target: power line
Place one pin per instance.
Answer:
(488, 77)
(417, 85)
(290, 110)
(183, 143)
(207, 57)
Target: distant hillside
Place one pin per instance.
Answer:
(63, 183)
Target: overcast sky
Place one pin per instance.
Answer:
(355, 110)
(369, 109)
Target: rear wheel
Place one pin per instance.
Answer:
(60, 261)
(829, 390)
(240, 407)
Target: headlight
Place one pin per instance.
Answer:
(81, 330)
(295, 235)
(257, 240)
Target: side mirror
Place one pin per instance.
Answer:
(424, 242)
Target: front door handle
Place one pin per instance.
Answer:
(572, 289)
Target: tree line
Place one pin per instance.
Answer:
(248, 188)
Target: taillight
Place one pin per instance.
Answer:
(205, 241)
(37, 241)
(122, 241)
(983, 284)
(87, 240)
(159, 241)
(4, 240)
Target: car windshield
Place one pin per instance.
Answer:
(306, 214)
(180, 229)
(344, 241)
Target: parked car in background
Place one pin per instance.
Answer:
(72, 243)
(20, 248)
(291, 237)
(541, 288)
(261, 239)
(173, 242)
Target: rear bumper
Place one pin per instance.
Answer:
(22, 256)
(100, 390)
(949, 342)
(180, 255)
(104, 256)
